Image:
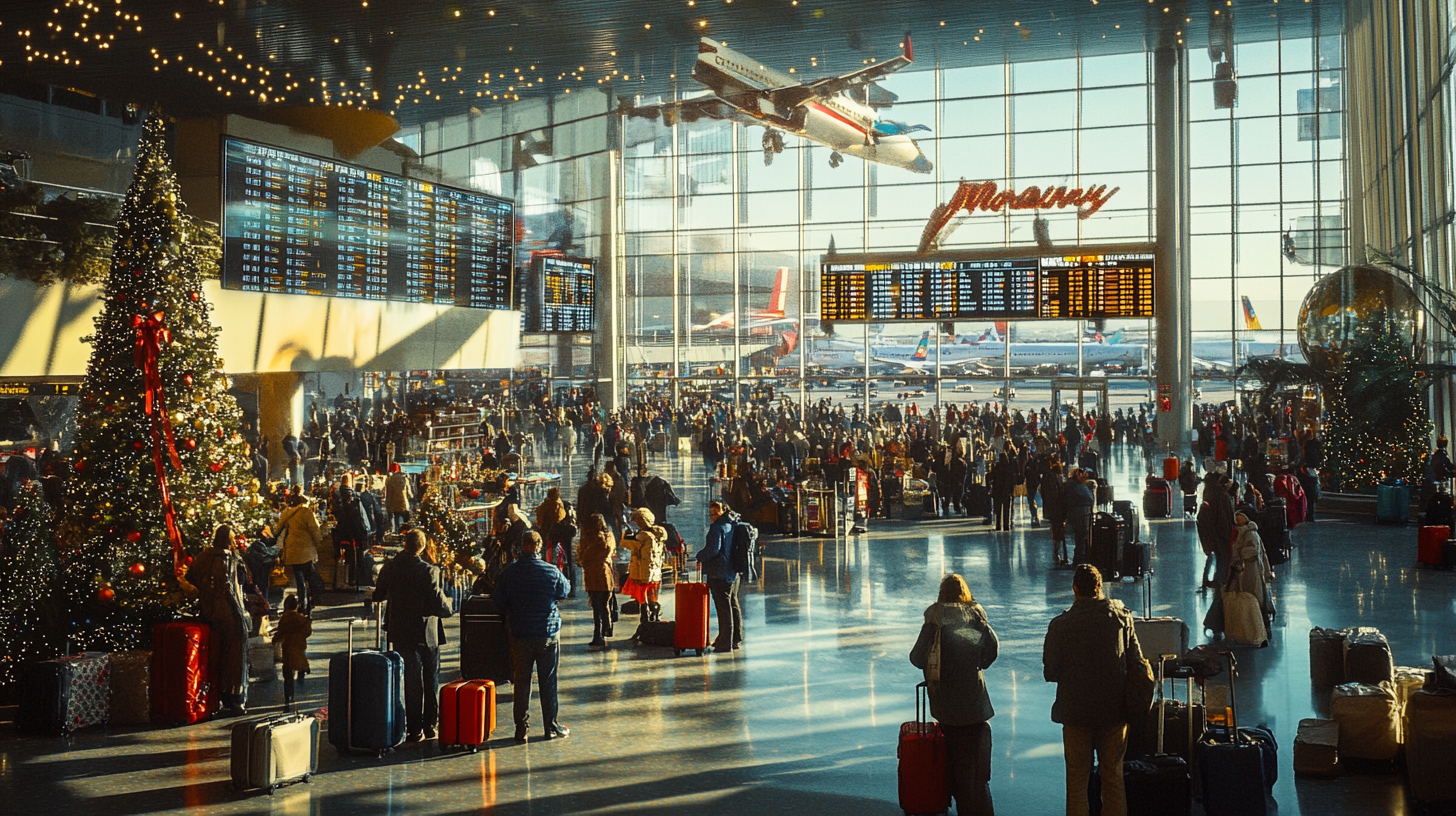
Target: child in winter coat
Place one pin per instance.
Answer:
(293, 631)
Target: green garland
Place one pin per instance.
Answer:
(69, 240)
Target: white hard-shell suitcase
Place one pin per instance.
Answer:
(274, 751)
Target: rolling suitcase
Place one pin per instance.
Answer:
(274, 751)
(467, 713)
(1106, 495)
(923, 779)
(978, 500)
(1130, 520)
(1274, 531)
(485, 643)
(1429, 542)
(1220, 450)
(1158, 784)
(64, 695)
(1160, 635)
(1136, 560)
(1367, 657)
(1171, 466)
(1157, 499)
(1326, 657)
(1429, 746)
(690, 630)
(182, 692)
(656, 633)
(1190, 504)
(366, 697)
(1231, 773)
(1104, 550)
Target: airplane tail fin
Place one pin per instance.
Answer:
(998, 330)
(779, 301)
(1115, 338)
(923, 350)
(909, 49)
(1251, 320)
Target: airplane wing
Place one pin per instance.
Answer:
(688, 110)
(791, 97)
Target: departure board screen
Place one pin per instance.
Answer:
(300, 224)
(1085, 286)
(568, 288)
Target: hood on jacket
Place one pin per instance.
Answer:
(643, 518)
(955, 614)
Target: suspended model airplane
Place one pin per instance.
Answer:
(838, 112)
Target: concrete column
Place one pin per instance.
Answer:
(280, 410)
(1173, 373)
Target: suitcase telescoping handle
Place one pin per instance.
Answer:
(922, 705)
(349, 684)
(1233, 710)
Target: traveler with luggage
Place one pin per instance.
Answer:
(596, 553)
(1054, 504)
(353, 527)
(955, 647)
(214, 573)
(1080, 493)
(1088, 652)
(292, 633)
(1216, 526)
(1249, 569)
(417, 605)
(1188, 480)
(648, 547)
(526, 593)
(1004, 478)
(298, 527)
(557, 526)
(397, 497)
(714, 561)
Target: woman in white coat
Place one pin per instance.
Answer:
(1249, 570)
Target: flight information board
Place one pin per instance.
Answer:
(300, 224)
(1083, 286)
(568, 289)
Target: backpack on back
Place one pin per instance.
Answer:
(744, 556)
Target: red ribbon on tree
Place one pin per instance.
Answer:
(151, 336)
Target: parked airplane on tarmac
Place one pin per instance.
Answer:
(991, 348)
(839, 112)
(773, 317)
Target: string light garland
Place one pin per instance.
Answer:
(1376, 423)
(117, 513)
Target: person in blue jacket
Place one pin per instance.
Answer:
(526, 594)
(722, 580)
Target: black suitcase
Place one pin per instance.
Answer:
(1190, 504)
(485, 643)
(1105, 494)
(1157, 499)
(1274, 532)
(1231, 769)
(1104, 551)
(1159, 784)
(1135, 560)
(44, 695)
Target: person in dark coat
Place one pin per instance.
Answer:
(1031, 477)
(1080, 496)
(214, 572)
(414, 618)
(957, 634)
(1088, 652)
(1054, 505)
(1003, 485)
(352, 528)
(652, 492)
(526, 594)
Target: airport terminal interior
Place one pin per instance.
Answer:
(359, 359)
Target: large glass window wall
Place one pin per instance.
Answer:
(717, 266)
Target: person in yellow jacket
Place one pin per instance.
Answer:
(644, 575)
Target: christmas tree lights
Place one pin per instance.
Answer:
(33, 624)
(1376, 424)
(158, 457)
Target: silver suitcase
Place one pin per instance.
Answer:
(1158, 636)
(274, 751)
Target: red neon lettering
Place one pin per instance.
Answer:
(986, 195)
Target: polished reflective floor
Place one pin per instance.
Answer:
(804, 718)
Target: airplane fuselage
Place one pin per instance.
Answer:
(836, 121)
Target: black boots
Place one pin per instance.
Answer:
(654, 611)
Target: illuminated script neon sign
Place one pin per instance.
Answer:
(986, 195)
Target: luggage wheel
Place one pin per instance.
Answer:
(474, 749)
(678, 652)
(700, 652)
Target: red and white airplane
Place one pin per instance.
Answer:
(758, 319)
(838, 112)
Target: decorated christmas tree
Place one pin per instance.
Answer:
(1377, 425)
(33, 625)
(158, 457)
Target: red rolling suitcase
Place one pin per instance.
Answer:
(1428, 550)
(181, 689)
(467, 713)
(1171, 466)
(1220, 450)
(691, 630)
(924, 785)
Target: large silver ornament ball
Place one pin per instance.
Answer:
(1354, 305)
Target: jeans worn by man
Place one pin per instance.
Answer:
(721, 579)
(1088, 652)
(526, 594)
(416, 604)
